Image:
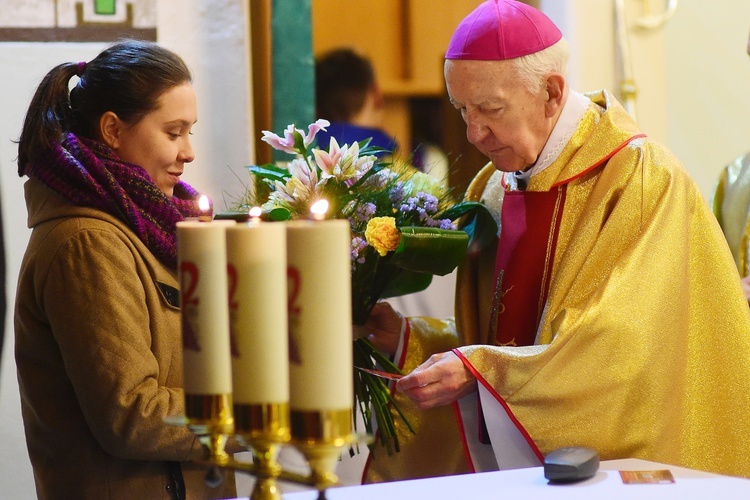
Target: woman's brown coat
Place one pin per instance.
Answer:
(99, 357)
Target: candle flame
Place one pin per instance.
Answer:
(255, 212)
(203, 204)
(205, 208)
(318, 209)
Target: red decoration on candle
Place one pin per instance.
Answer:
(189, 275)
(232, 278)
(293, 283)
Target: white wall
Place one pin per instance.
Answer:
(708, 76)
(691, 74)
(212, 37)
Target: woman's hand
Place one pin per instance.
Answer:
(440, 380)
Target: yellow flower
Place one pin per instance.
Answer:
(382, 234)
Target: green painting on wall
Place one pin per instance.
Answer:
(105, 7)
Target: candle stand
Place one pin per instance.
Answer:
(263, 429)
(320, 436)
(210, 418)
(280, 343)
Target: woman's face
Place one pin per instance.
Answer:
(160, 141)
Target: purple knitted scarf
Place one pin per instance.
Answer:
(88, 173)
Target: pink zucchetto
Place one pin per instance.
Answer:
(502, 29)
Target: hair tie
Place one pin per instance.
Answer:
(81, 67)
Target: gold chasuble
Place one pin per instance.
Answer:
(640, 329)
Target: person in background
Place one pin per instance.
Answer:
(347, 95)
(603, 312)
(731, 204)
(97, 312)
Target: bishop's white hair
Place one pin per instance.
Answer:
(533, 69)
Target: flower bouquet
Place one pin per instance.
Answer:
(402, 234)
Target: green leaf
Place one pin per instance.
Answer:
(382, 360)
(481, 228)
(461, 209)
(373, 396)
(477, 222)
(270, 171)
(279, 214)
(299, 142)
(430, 250)
(235, 215)
(405, 283)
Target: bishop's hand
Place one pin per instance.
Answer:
(440, 380)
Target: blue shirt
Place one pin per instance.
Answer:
(346, 133)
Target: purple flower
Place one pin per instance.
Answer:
(447, 224)
(428, 201)
(359, 245)
(364, 212)
(397, 194)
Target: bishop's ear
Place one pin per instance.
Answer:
(555, 92)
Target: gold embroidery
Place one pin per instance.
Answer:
(497, 296)
(549, 252)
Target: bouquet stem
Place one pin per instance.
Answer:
(373, 397)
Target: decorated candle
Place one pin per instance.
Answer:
(256, 257)
(320, 321)
(201, 250)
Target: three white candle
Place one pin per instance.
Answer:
(318, 259)
(256, 259)
(307, 361)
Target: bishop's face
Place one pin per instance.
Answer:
(504, 120)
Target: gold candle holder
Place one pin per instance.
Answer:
(321, 436)
(263, 429)
(209, 416)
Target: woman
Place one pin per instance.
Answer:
(97, 318)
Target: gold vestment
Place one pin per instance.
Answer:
(643, 348)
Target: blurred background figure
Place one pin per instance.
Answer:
(347, 94)
(731, 204)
